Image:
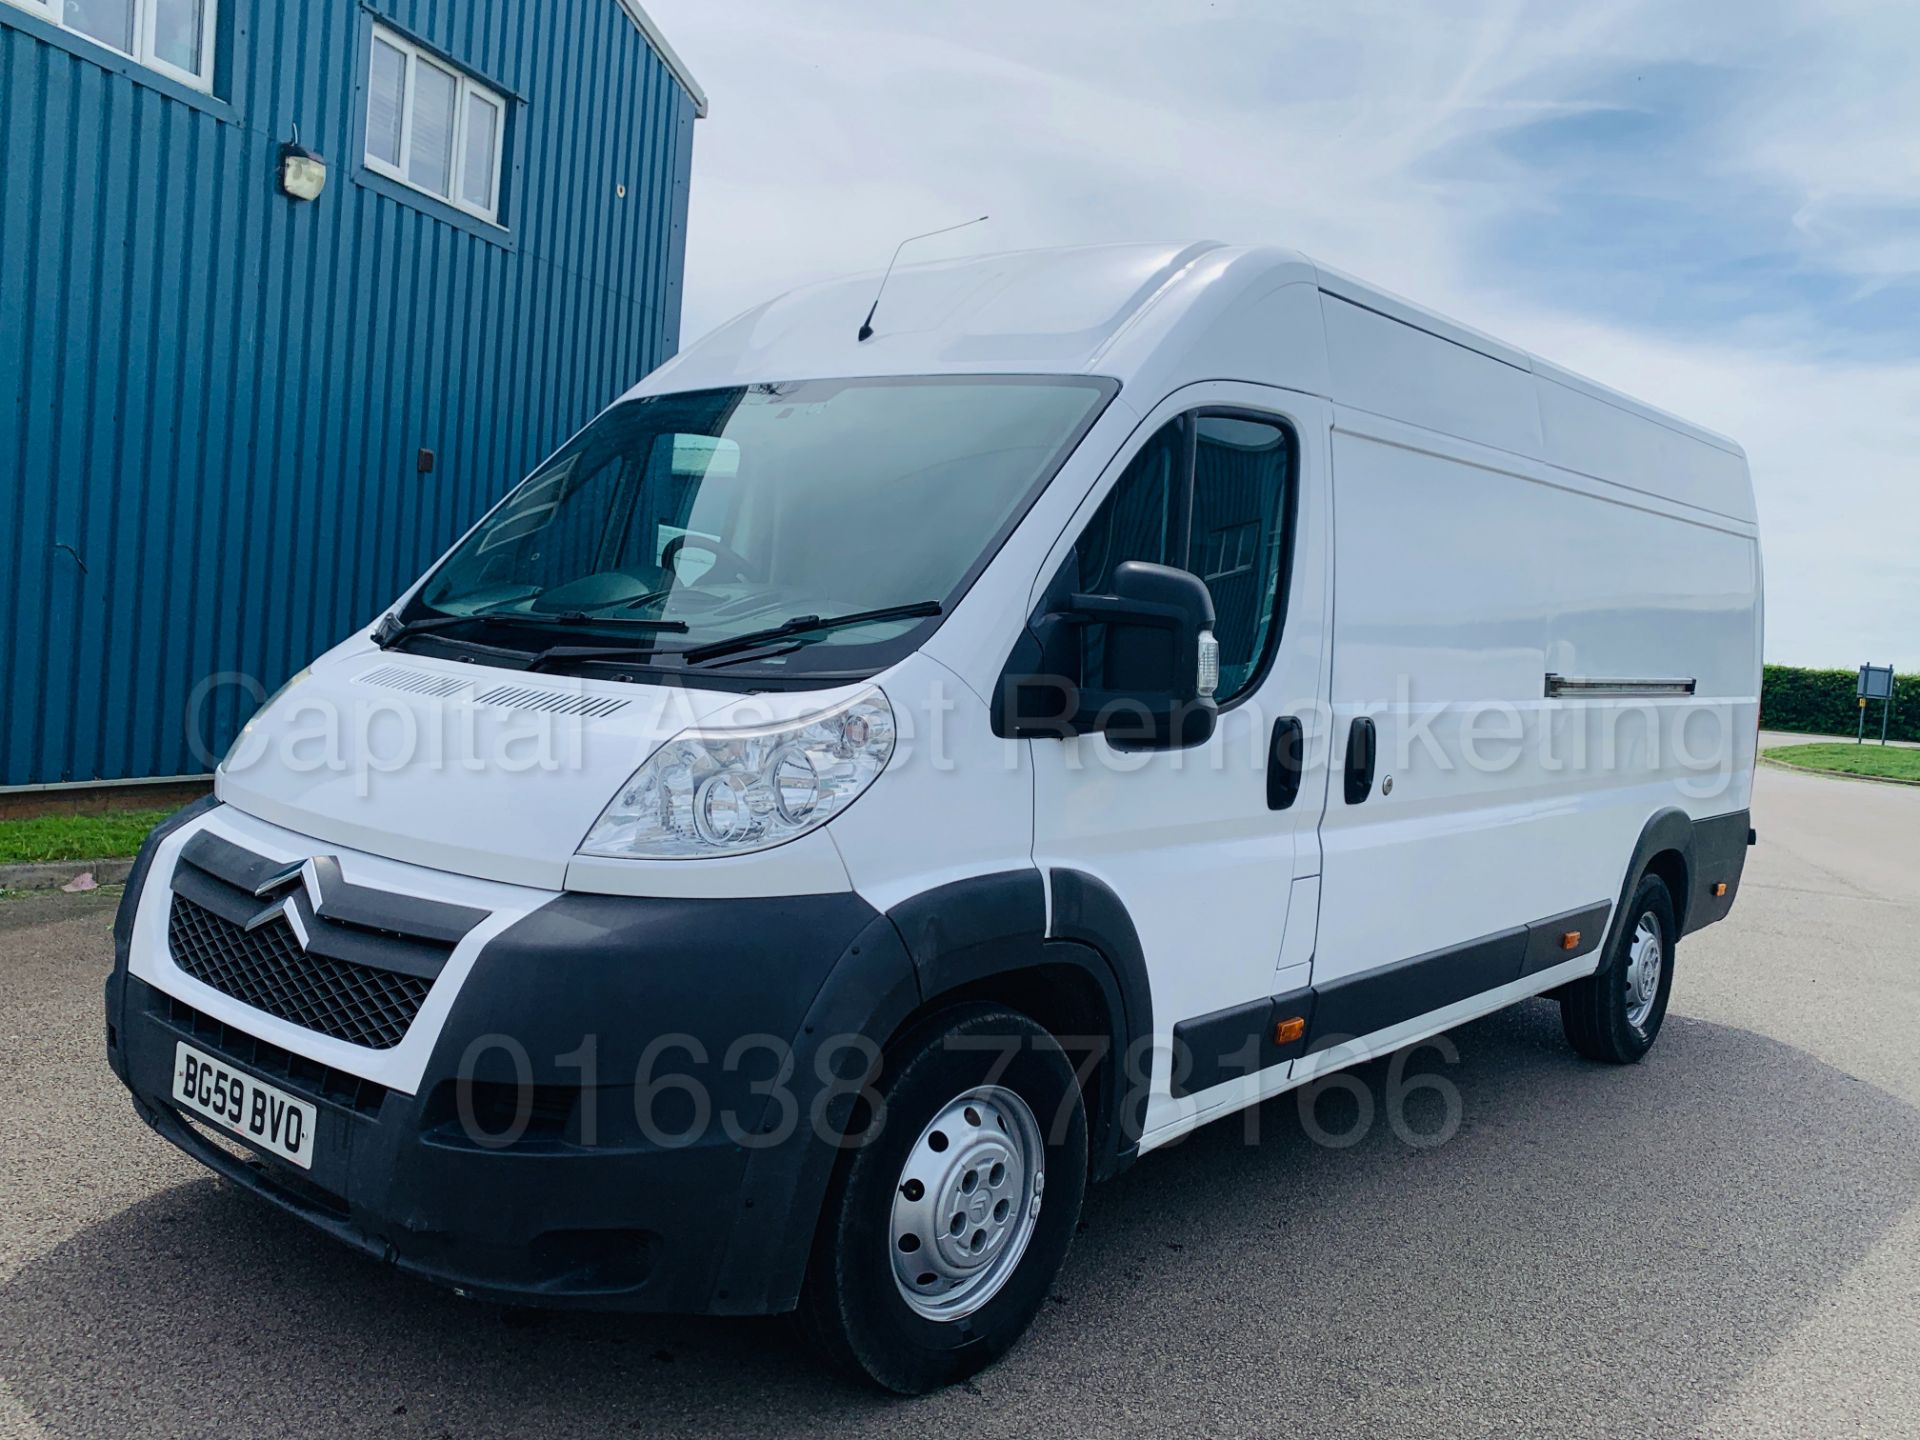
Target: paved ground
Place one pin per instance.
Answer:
(1724, 1240)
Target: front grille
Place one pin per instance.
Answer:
(306, 1078)
(267, 969)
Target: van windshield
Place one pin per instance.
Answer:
(675, 523)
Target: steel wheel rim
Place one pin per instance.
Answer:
(1645, 961)
(966, 1203)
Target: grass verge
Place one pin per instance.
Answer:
(1878, 762)
(50, 838)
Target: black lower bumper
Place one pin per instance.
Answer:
(541, 1220)
(630, 1105)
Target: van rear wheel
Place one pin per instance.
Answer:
(942, 1234)
(1615, 1014)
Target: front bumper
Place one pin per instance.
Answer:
(627, 1105)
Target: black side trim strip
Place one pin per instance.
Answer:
(1546, 939)
(1209, 1050)
(1227, 1044)
(1376, 999)
(1212, 1049)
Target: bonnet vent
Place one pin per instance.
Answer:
(520, 697)
(504, 697)
(414, 682)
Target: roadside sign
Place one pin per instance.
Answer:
(1876, 683)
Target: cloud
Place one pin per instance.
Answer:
(1712, 206)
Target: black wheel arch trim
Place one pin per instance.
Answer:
(972, 931)
(969, 929)
(947, 941)
(1712, 852)
(869, 993)
(1669, 829)
(1087, 912)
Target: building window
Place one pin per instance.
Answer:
(174, 37)
(431, 127)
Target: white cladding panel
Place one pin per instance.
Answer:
(1380, 365)
(1475, 582)
(1459, 585)
(1587, 432)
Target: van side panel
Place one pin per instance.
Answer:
(1387, 368)
(1463, 577)
(1588, 431)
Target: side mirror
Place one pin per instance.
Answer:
(1139, 665)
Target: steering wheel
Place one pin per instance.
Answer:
(738, 566)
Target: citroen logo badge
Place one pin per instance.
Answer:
(283, 878)
(279, 879)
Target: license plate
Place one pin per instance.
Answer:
(258, 1113)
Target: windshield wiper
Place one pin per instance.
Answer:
(392, 631)
(602, 652)
(806, 625)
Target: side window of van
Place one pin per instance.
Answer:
(1243, 471)
(1210, 493)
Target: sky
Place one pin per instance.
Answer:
(1713, 205)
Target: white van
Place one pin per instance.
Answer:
(859, 791)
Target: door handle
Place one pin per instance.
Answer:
(1360, 744)
(1284, 760)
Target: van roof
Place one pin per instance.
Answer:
(1160, 315)
(1037, 311)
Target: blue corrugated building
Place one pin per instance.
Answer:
(235, 422)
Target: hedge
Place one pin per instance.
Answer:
(1822, 702)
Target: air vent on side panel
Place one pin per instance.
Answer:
(414, 682)
(519, 697)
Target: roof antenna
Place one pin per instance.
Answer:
(866, 326)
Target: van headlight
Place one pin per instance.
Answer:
(727, 792)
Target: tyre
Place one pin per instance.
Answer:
(943, 1232)
(1615, 1014)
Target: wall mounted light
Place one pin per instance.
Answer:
(303, 174)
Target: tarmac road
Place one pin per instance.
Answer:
(1724, 1239)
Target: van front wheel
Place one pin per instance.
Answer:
(1615, 1014)
(943, 1233)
